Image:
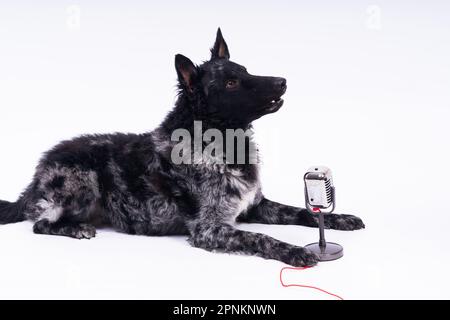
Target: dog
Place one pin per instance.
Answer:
(129, 181)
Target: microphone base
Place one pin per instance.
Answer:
(332, 251)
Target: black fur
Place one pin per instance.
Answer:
(130, 182)
(10, 212)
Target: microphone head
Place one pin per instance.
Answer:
(319, 189)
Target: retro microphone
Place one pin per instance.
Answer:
(320, 200)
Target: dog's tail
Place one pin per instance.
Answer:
(11, 212)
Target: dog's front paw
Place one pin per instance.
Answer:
(84, 231)
(301, 257)
(343, 222)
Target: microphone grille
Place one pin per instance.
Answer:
(329, 190)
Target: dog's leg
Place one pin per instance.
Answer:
(217, 236)
(62, 201)
(67, 229)
(269, 212)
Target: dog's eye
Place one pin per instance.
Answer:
(230, 84)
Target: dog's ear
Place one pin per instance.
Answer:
(187, 72)
(220, 49)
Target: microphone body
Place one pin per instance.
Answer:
(319, 189)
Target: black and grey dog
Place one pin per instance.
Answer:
(129, 181)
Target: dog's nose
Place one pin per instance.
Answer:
(280, 83)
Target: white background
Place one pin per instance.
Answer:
(368, 96)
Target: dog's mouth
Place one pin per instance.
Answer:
(275, 102)
(273, 106)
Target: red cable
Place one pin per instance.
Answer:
(304, 286)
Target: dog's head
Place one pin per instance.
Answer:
(230, 93)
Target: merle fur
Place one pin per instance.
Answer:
(129, 182)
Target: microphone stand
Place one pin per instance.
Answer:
(322, 242)
(326, 251)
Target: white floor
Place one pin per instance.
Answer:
(367, 96)
(379, 262)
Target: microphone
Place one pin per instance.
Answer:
(320, 199)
